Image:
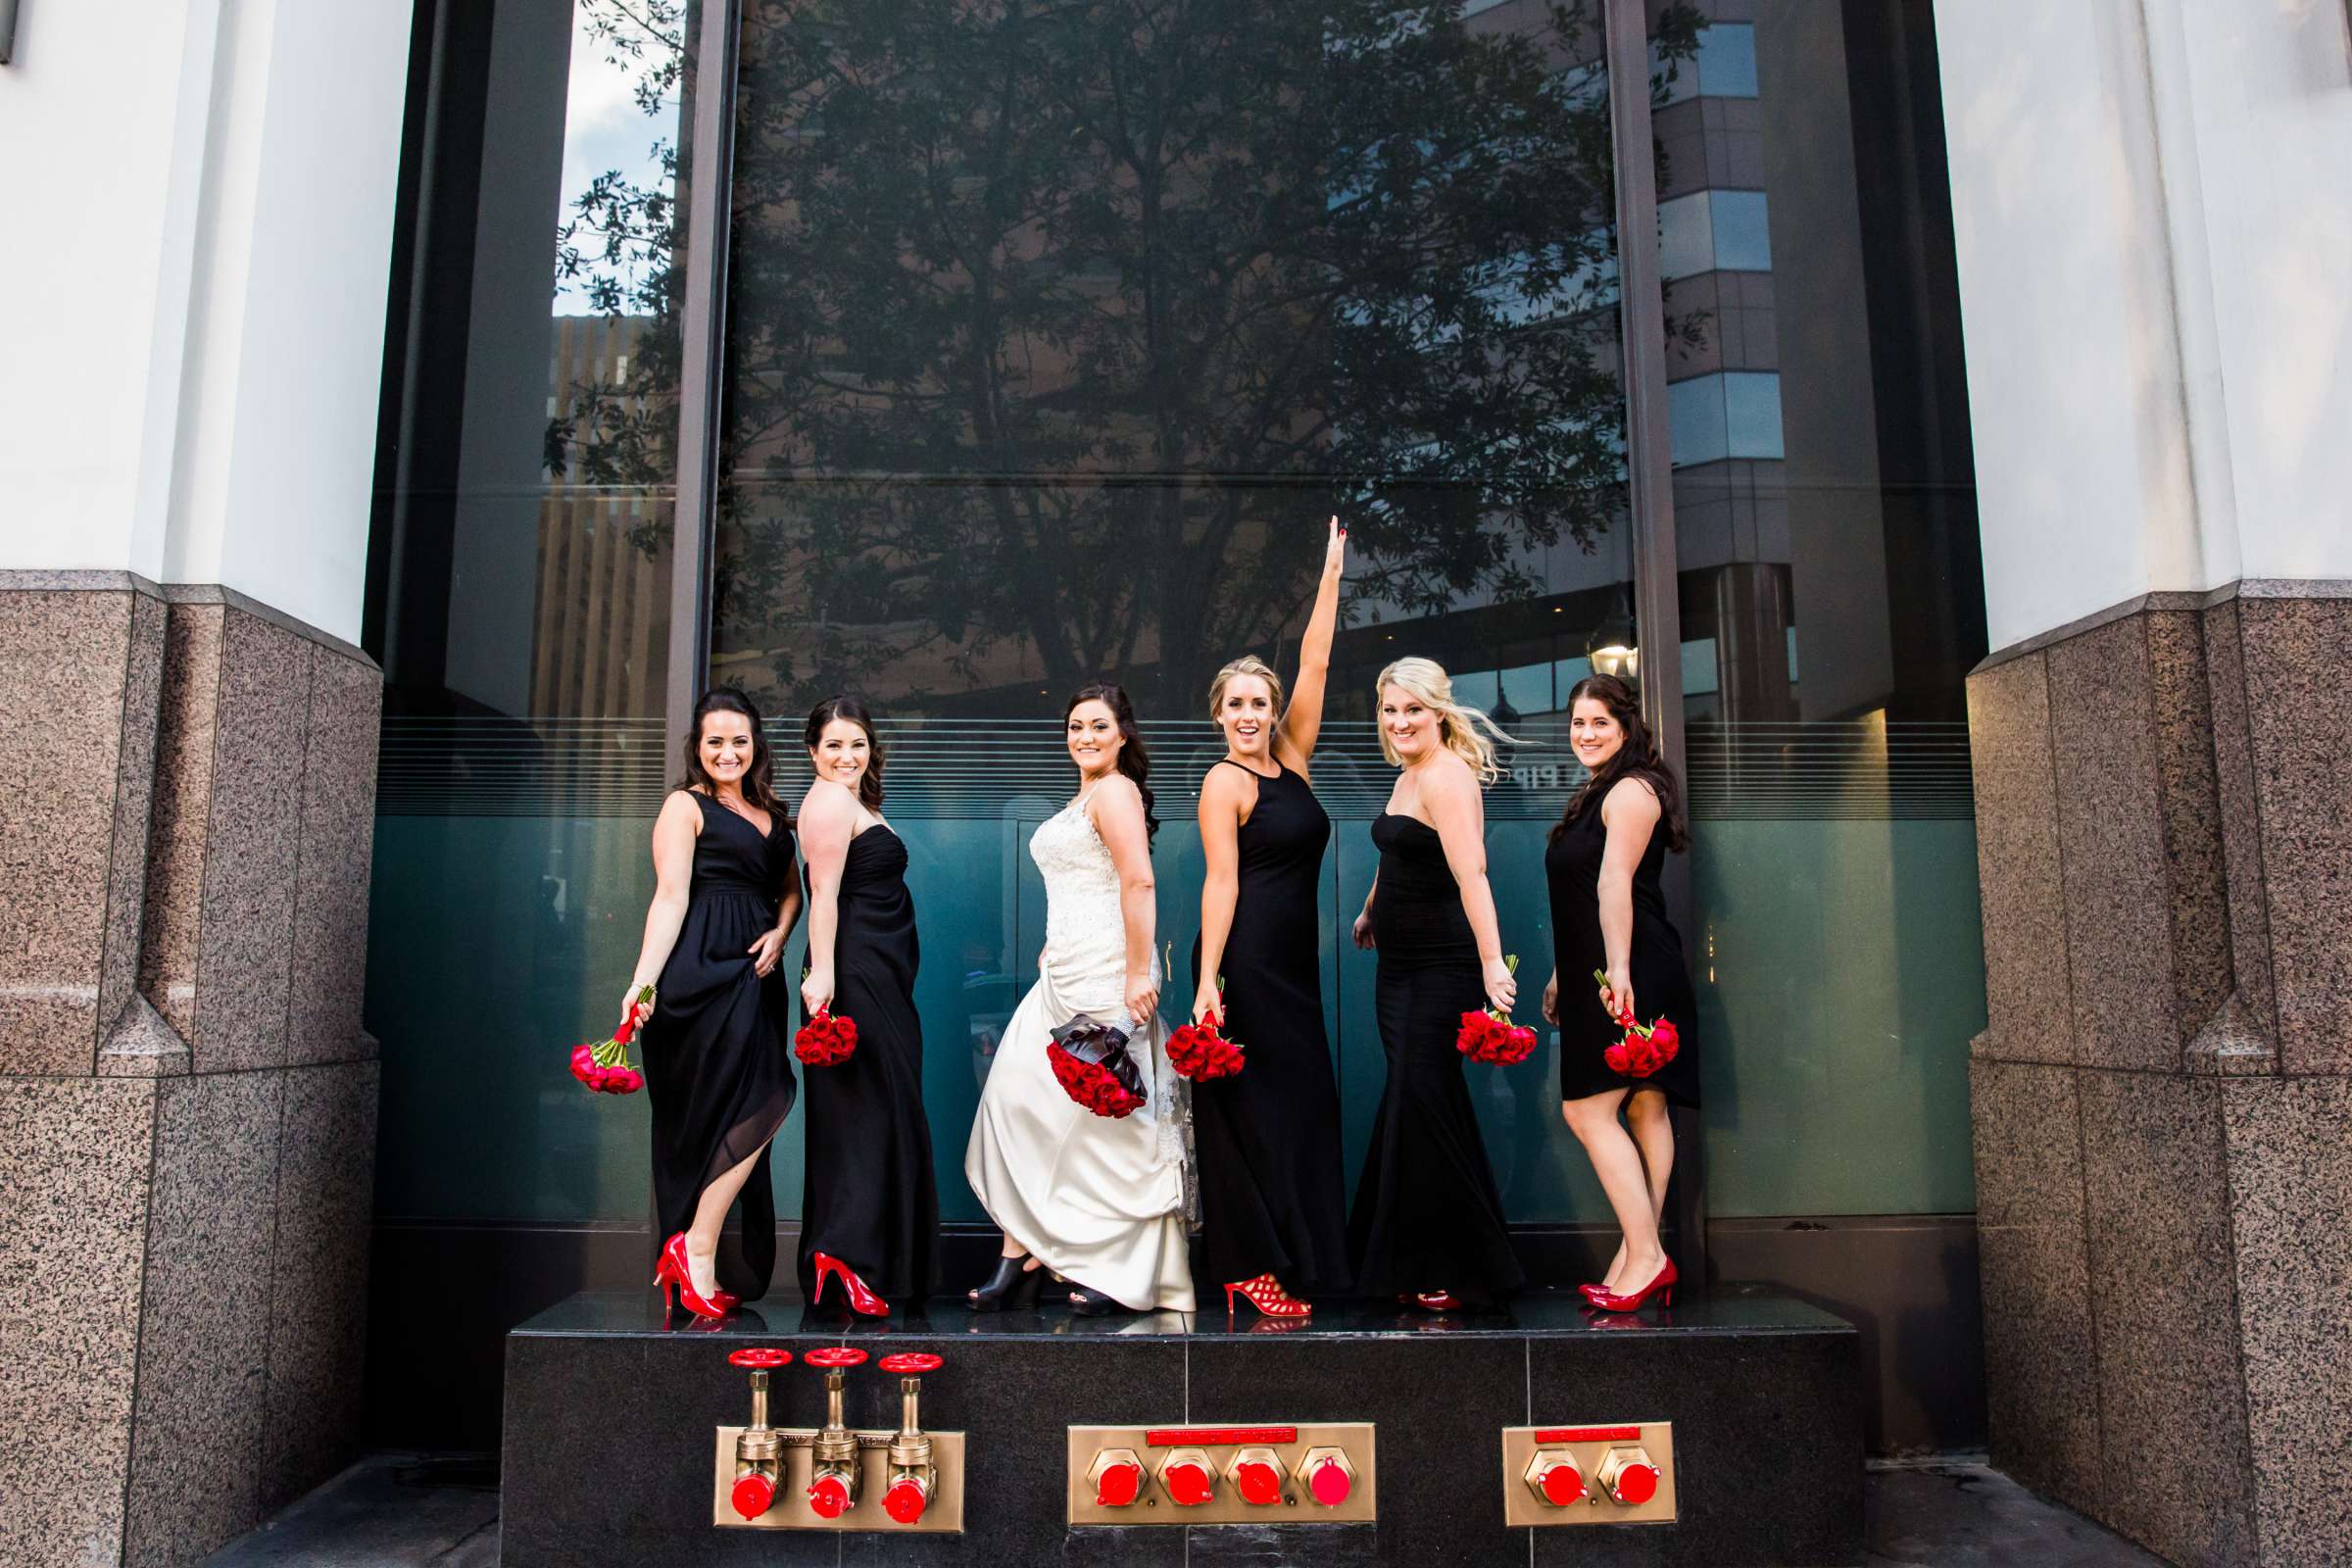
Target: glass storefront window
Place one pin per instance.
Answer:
(520, 601)
(1822, 498)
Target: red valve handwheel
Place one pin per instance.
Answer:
(833, 1355)
(1117, 1486)
(1636, 1484)
(754, 1494)
(1330, 1484)
(829, 1498)
(761, 1359)
(905, 1501)
(910, 1362)
(1562, 1486)
(1260, 1484)
(1188, 1484)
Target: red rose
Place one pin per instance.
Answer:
(1664, 1036)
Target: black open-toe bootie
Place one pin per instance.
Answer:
(1011, 1284)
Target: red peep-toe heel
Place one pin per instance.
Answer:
(1265, 1293)
(678, 1281)
(1662, 1288)
(863, 1302)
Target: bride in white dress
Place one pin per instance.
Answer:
(1097, 1201)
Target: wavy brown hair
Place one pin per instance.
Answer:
(759, 779)
(1638, 758)
(1134, 761)
(869, 783)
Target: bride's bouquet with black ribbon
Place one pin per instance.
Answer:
(1089, 1061)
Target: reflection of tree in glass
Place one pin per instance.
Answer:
(618, 246)
(1054, 331)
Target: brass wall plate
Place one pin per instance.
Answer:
(1590, 1442)
(944, 1517)
(1289, 1442)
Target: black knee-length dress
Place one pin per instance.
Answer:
(1660, 977)
(1266, 1141)
(717, 1068)
(1427, 1212)
(870, 1199)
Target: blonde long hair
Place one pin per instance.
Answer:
(1458, 723)
(1247, 665)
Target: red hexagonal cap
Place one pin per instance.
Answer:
(910, 1362)
(1330, 1484)
(1637, 1484)
(1118, 1484)
(829, 1498)
(1188, 1484)
(752, 1496)
(1260, 1484)
(833, 1355)
(761, 1359)
(1561, 1485)
(905, 1501)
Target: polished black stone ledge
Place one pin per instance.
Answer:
(610, 1409)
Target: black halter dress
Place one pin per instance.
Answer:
(870, 1199)
(717, 1065)
(1266, 1141)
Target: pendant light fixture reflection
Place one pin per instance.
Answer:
(1610, 648)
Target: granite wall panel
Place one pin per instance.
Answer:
(172, 915)
(134, 802)
(2235, 794)
(2196, 885)
(330, 887)
(2299, 702)
(2027, 1001)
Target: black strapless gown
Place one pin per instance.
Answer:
(870, 1199)
(717, 1068)
(1428, 1216)
(1655, 966)
(1267, 1141)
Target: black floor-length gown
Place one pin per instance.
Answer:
(1660, 977)
(1427, 1214)
(717, 1065)
(870, 1199)
(1266, 1141)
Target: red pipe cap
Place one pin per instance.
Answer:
(1562, 1486)
(1118, 1485)
(910, 1362)
(829, 1498)
(752, 1496)
(905, 1501)
(1260, 1484)
(833, 1355)
(761, 1359)
(1330, 1484)
(1189, 1484)
(1637, 1484)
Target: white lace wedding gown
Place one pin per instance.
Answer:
(1099, 1201)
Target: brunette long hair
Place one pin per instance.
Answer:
(759, 779)
(1134, 761)
(869, 783)
(1638, 758)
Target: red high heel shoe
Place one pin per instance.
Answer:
(863, 1302)
(1432, 1300)
(678, 1281)
(1265, 1293)
(1662, 1288)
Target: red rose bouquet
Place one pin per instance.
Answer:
(825, 1039)
(1201, 1051)
(604, 1065)
(1089, 1061)
(1488, 1035)
(1644, 1050)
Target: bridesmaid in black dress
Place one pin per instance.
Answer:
(1428, 1219)
(870, 1214)
(1267, 1141)
(1608, 913)
(714, 1037)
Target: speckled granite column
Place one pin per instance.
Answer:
(2160, 1098)
(187, 1103)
